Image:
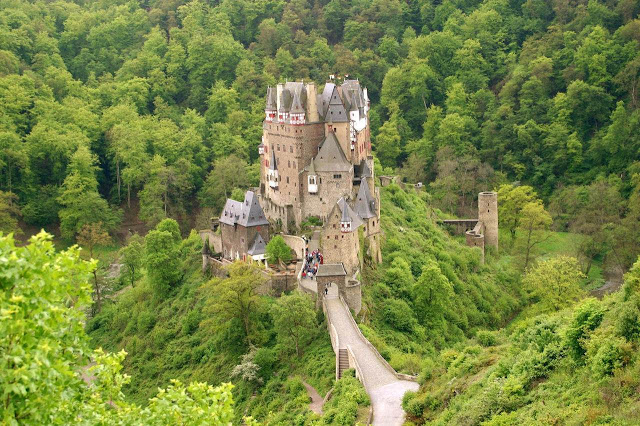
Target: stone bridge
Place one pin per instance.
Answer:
(384, 385)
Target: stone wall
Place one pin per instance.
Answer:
(340, 247)
(297, 244)
(352, 295)
(215, 240)
(330, 190)
(236, 240)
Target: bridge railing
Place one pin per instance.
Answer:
(366, 341)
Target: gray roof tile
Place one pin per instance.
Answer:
(330, 157)
(245, 213)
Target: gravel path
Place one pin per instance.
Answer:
(384, 388)
(316, 399)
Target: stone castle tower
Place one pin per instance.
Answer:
(488, 215)
(316, 161)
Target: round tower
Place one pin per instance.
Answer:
(488, 215)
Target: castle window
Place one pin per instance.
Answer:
(327, 239)
(288, 163)
(337, 176)
(336, 237)
(287, 179)
(278, 147)
(335, 246)
(291, 147)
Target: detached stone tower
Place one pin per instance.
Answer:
(488, 215)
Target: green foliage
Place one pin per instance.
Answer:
(162, 259)
(348, 395)
(277, 250)
(132, 257)
(294, 321)
(50, 375)
(554, 283)
(586, 318)
(237, 300)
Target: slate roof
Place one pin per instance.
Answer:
(296, 106)
(331, 270)
(336, 112)
(245, 213)
(365, 205)
(271, 98)
(349, 214)
(365, 171)
(330, 157)
(258, 247)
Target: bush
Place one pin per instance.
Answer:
(399, 315)
(146, 321)
(486, 338)
(587, 317)
(628, 322)
(427, 370)
(190, 322)
(607, 353)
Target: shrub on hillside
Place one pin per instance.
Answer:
(486, 338)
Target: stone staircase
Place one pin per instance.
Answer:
(343, 361)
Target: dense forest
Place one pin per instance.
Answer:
(126, 124)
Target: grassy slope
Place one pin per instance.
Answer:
(527, 375)
(485, 296)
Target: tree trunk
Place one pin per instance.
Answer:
(589, 263)
(118, 177)
(526, 260)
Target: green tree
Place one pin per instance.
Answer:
(162, 256)
(220, 183)
(236, 298)
(278, 251)
(534, 223)
(512, 200)
(132, 257)
(294, 320)
(431, 295)
(554, 283)
(9, 212)
(90, 236)
(79, 197)
(45, 352)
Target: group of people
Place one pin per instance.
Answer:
(311, 262)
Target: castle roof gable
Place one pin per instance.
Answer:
(245, 213)
(296, 105)
(330, 157)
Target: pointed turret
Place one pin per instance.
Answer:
(270, 108)
(297, 111)
(365, 205)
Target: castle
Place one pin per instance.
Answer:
(316, 161)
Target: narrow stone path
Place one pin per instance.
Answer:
(316, 399)
(382, 385)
